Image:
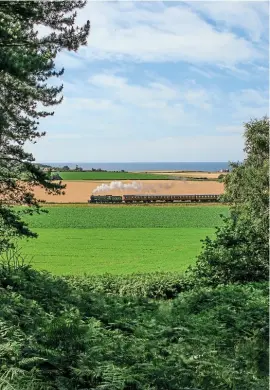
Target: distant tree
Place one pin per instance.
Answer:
(221, 178)
(56, 176)
(240, 252)
(26, 65)
(44, 166)
(65, 168)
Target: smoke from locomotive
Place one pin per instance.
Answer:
(135, 185)
(118, 185)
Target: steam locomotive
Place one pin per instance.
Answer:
(153, 198)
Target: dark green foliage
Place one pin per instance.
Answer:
(225, 319)
(236, 255)
(157, 285)
(26, 67)
(59, 335)
(240, 252)
(221, 178)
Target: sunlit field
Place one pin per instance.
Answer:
(119, 240)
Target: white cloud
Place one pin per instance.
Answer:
(63, 136)
(250, 16)
(206, 73)
(198, 98)
(251, 97)
(157, 116)
(69, 61)
(230, 129)
(249, 103)
(107, 80)
(160, 33)
(82, 104)
(155, 93)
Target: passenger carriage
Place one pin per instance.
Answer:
(146, 198)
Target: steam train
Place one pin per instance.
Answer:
(153, 198)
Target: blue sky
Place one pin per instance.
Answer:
(161, 81)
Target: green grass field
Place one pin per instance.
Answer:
(119, 240)
(111, 176)
(78, 217)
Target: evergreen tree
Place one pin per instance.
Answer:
(26, 65)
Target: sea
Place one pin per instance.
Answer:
(146, 166)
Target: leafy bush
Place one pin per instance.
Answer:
(237, 254)
(56, 334)
(221, 178)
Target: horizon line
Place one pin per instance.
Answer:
(129, 162)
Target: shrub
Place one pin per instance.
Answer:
(60, 334)
(236, 255)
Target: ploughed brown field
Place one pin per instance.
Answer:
(208, 175)
(80, 191)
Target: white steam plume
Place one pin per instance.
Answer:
(135, 185)
(118, 185)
